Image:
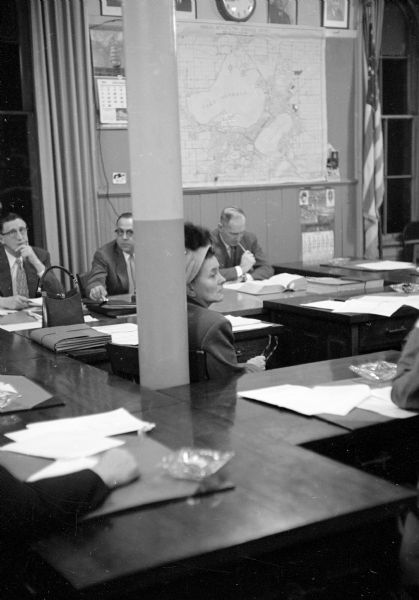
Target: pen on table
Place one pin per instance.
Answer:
(339, 299)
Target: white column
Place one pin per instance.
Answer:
(156, 187)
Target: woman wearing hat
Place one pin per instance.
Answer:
(209, 330)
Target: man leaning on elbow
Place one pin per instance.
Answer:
(237, 250)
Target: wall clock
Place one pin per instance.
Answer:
(236, 10)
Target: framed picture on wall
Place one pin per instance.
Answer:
(336, 14)
(185, 9)
(111, 8)
(283, 12)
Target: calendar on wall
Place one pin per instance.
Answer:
(112, 101)
(317, 218)
(109, 74)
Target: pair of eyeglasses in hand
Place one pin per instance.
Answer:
(270, 347)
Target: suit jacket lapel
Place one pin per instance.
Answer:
(6, 288)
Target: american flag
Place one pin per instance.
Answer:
(373, 174)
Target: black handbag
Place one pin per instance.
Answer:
(63, 308)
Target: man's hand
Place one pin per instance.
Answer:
(14, 302)
(247, 261)
(117, 467)
(98, 293)
(27, 253)
(257, 363)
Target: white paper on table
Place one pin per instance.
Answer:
(125, 334)
(113, 422)
(376, 305)
(21, 326)
(246, 324)
(6, 311)
(63, 467)
(62, 444)
(386, 265)
(237, 321)
(333, 399)
(380, 402)
(326, 304)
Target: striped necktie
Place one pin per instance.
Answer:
(131, 274)
(21, 283)
(234, 256)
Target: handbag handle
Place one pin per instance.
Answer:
(72, 277)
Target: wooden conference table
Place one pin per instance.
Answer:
(306, 511)
(319, 334)
(349, 270)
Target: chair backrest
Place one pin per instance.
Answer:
(124, 363)
(410, 239)
(197, 366)
(82, 281)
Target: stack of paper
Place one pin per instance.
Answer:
(336, 398)
(125, 334)
(385, 304)
(275, 284)
(244, 323)
(72, 440)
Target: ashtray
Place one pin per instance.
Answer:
(7, 394)
(380, 370)
(405, 288)
(194, 463)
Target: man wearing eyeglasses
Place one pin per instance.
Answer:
(113, 269)
(21, 265)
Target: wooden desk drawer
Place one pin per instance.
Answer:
(388, 333)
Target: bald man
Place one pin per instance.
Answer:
(237, 250)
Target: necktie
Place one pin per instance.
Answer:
(21, 283)
(131, 274)
(234, 256)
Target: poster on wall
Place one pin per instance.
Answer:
(109, 72)
(317, 218)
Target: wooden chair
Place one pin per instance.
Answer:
(124, 363)
(197, 366)
(410, 239)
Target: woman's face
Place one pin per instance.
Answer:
(207, 287)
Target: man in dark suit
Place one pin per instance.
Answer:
(31, 510)
(237, 250)
(113, 268)
(21, 265)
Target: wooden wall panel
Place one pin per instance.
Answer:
(273, 214)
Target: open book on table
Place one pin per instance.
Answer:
(275, 284)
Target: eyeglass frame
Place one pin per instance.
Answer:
(129, 233)
(14, 232)
(270, 347)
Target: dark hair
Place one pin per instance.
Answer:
(11, 216)
(196, 237)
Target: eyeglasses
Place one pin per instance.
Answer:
(271, 346)
(15, 232)
(122, 232)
